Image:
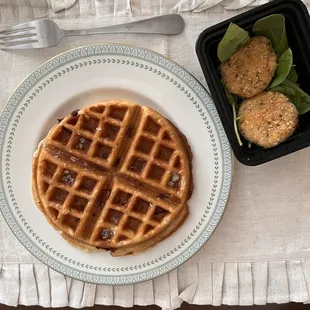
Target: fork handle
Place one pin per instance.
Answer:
(165, 24)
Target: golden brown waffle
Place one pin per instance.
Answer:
(115, 176)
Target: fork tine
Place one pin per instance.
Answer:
(29, 33)
(22, 26)
(20, 46)
(19, 40)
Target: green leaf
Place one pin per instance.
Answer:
(233, 101)
(290, 91)
(298, 97)
(233, 39)
(293, 76)
(279, 89)
(273, 27)
(235, 124)
(285, 63)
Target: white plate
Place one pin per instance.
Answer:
(80, 77)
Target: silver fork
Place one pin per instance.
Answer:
(46, 33)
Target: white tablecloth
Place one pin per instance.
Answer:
(259, 254)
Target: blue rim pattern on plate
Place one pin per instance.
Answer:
(159, 65)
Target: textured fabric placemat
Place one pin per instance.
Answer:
(259, 254)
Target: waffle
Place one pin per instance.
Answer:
(113, 176)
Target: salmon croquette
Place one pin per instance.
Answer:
(267, 119)
(250, 69)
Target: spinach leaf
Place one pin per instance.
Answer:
(293, 76)
(285, 63)
(233, 39)
(233, 101)
(300, 99)
(234, 107)
(273, 27)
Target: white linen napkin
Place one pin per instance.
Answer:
(58, 5)
(184, 5)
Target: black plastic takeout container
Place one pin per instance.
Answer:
(298, 33)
